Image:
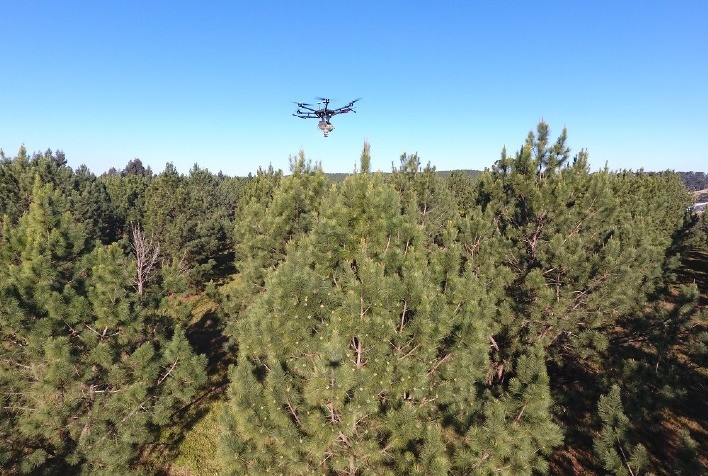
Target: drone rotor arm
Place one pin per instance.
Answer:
(342, 110)
(305, 106)
(345, 109)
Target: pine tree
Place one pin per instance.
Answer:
(697, 233)
(368, 350)
(186, 216)
(10, 193)
(611, 445)
(91, 205)
(262, 186)
(135, 167)
(462, 186)
(127, 194)
(166, 214)
(517, 427)
(212, 232)
(365, 161)
(424, 194)
(17, 179)
(37, 258)
(90, 371)
(584, 247)
(279, 212)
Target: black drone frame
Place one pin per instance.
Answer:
(323, 114)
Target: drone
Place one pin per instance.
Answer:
(324, 114)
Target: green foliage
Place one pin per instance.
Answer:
(279, 211)
(694, 180)
(697, 233)
(369, 362)
(666, 329)
(461, 184)
(584, 247)
(665, 376)
(185, 216)
(365, 161)
(88, 373)
(261, 186)
(688, 456)
(396, 323)
(84, 195)
(611, 446)
(127, 194)
(423, 193)
(198, 451)
(517, 427)
(135, 167)
(92, 206)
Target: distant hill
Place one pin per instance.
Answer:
(447, 173)
(336, 177)
(700, 196)
(339, 177)
(694, 180)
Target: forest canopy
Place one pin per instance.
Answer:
(537, 317)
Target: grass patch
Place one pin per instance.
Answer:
(197, 453)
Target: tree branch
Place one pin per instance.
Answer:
(439, 363)
(162, 379)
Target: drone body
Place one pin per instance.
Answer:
(324, 114)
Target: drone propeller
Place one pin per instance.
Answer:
(323, 113)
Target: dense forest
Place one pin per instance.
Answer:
(534, 318)
(695, 180)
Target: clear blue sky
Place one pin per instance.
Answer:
(211, 82)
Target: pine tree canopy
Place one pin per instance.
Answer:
(372, 362)
(535, 318)
(88, 372)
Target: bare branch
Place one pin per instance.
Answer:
(493, 342)
(403, 316)
(146, 258)
(294, 414)
(439, 363)
(162, 379)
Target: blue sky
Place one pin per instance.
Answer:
(211, 82)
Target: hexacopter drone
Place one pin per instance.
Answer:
(324, 114)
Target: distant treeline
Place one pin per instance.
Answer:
(694, 180)
(524, 320)
(339, 177)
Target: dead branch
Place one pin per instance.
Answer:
(439, 363)
(162, 379)
(294, 414)
(403, 316)
(147, 254)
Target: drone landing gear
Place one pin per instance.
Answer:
(325, 127)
